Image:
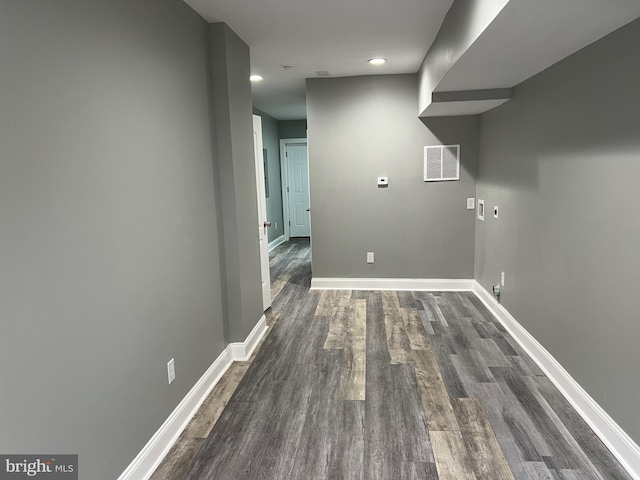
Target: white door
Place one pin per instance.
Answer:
(263, 223)
(298, 183)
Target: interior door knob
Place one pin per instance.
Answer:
(267, 224)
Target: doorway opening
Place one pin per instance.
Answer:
(296, 203)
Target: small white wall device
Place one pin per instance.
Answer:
(383, 181)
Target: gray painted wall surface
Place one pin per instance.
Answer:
(561, 160)
(109, 253)
(292, 129)
(233, 137)
(364, 127)
(271, 143)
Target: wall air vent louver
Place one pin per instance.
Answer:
(441, 162)
(323, 73)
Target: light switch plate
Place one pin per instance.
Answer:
(370, 257)
(471, 203)
(495, 211)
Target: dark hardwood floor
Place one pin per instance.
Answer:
(384, 385)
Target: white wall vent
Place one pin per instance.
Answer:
(441, 162)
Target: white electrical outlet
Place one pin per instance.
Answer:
(370, 257)
(471, 203)
(171, 370)
(502, 278)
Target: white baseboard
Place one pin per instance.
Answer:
(241, 351)
(146, 462)
(410, 284)
(278, 241)
(621, 445)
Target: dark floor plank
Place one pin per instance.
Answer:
(395, 427)
(564, 456)
(378, 360)
(462, 401)
(320, 435)
(593, 447)
(450, 375)
(406, 300)
(418, 471)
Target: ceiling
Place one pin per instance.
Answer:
(337, 36)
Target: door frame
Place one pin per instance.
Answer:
(284, 178)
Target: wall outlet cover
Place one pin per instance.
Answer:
(471, 203)
(171, 370)
(370, 257)
(495, 211)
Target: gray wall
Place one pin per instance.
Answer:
(109, 259)
(235, 165)
(271, 143)
(364, 127)
(561, 160)
(292, 129)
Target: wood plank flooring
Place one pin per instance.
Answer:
(384, 385)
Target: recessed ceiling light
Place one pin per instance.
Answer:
(256, 78)
(377, 61)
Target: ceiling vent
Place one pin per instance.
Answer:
(441, 163)
(322, 73)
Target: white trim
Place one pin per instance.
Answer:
(241, 351)
(621, 445)
(278, 241)
(284, 179)
(146, 462)
(411, 284)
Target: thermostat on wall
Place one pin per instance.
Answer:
(383, 181)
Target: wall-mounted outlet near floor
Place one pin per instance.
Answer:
(370, 257)
(502, 278)
(171, 370)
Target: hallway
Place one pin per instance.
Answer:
(384, 385)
